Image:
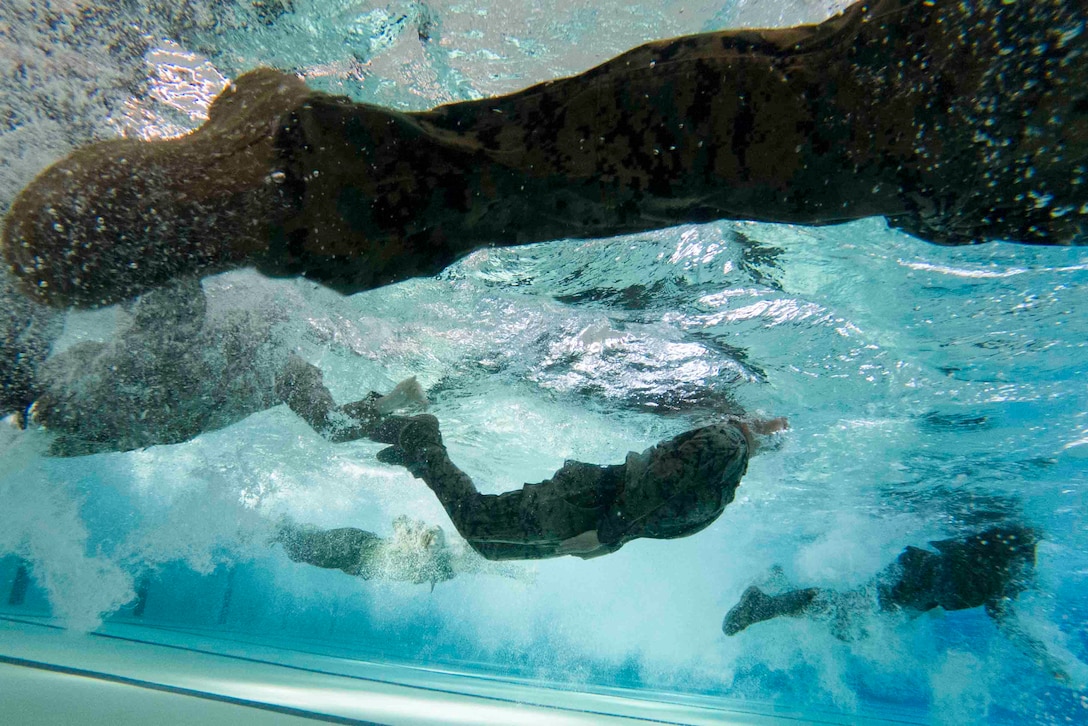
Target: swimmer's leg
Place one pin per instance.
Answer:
(528, 523)
(1047, 658)
(755, 606)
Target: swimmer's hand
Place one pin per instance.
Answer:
(406, 394)
(756, 429)
(585, 545)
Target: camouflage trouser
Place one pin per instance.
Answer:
(531, 522)
(300, 385)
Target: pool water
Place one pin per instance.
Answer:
(930, 392)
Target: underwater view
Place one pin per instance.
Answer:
(796, 461)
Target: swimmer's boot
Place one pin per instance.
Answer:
(752, 608)
(119, 217)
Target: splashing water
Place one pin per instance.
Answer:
(930, 391)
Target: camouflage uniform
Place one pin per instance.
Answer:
(981, 570)
(673, 489)
(987, 569)
(960, 122)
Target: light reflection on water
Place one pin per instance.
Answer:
(181, 87)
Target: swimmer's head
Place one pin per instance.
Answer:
(1013, 543)
(713, 454)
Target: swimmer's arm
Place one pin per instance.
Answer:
(301, 386)
(1004, 616)
(757, 429)
(348, 549)
(405, 394)
(468, 561)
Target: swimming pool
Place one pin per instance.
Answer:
(931, 391)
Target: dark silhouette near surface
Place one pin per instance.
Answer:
(959, 122)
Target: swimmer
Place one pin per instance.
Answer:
(174, 373)
(958, 122)
(987, 569)
(673, 489)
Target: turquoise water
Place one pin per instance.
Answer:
(930, 391)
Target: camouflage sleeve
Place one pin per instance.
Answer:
(300, 385)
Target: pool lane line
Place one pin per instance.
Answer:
(366, 679)
(448, 692)
(179, 691)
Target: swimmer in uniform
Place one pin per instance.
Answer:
(174, 373)
(987, 569)
(673, 489)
